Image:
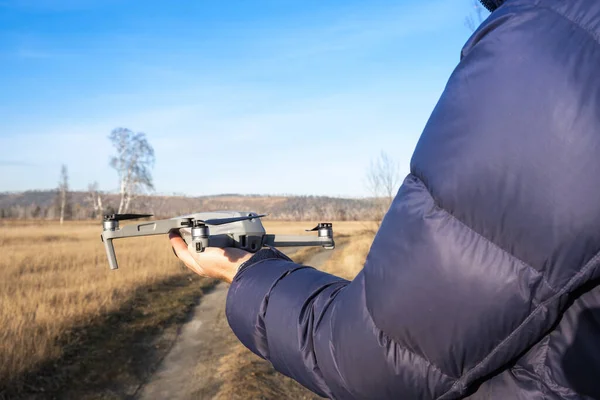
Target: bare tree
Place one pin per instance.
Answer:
(133, 162)
(63, 190)
(95, 198)
(383, 180)
(476, 17)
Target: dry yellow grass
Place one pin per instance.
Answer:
(247, 376)
(55, 278)
(350, 259)
(63, 312)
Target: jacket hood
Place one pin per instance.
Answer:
(491, 5)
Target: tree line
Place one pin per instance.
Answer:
(133, 160)
(83, 206)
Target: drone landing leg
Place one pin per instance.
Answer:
(110, 252)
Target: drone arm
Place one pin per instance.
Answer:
(140, 229)
(297, 240)
(159, 227)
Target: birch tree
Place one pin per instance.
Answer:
(95, 197)
(133, 162)
(63, 191)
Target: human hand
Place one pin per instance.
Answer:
(213, 262)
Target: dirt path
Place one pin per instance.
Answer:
(207, 361)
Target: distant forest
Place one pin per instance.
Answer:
(84, 205)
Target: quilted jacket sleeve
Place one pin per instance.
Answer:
(467, 270)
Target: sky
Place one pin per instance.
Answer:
(251, 97)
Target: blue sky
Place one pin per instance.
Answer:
(273, 97)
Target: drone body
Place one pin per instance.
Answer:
(243, 230)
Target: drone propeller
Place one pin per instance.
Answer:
(123, 217)
(321, 225)
(223, 221)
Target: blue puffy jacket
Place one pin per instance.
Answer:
(484, 279)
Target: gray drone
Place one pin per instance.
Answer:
(243, 230)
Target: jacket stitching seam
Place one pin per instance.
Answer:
(540, 306)
(265, 303)
(402, 347)
(592, 263)
(512, 256)
(521, 262)
(409, 351)
(586, 29)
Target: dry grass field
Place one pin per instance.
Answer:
(63, 312)
(69, 324)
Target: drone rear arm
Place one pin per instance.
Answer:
(298, 240)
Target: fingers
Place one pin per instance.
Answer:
(181, 250)
(177, 242)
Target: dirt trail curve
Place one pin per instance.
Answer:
(207, 361)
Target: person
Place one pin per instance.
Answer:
(483, 281)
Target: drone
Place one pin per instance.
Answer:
(243, 230)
